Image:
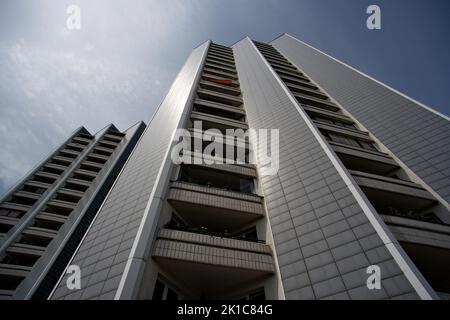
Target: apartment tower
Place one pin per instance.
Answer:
(362, 188)
(45, 216)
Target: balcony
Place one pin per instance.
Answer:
(84, 175)
(108, 144)
(219, 109)
(220, 63)
(219, 209)
(103, 151)
(220, 68)
(69, 153)
(222, 74)
(359, 159)
(216, 122)
(340, 130)
(98, 158)
(229, 264)
(60, 207)
(208, 85)
(219, 97)
(64, 161)
(418, 230)
(220, 57)
(311, 91)
(319, 103)
(6, 223)
(388, 194)
(300, 85)
(54, 168)
(75, 146)
(81, 140)
(314, 111)
(24, 198)
(219, 51)
(45, 177)
(274, 62)
(22, 254)
(210, 77)
(10, 278)
(77, 184)
(198, 160)
(113, 138)
(290, 73)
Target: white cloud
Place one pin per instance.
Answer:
(46, 94)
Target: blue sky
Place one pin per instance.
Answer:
(119, 66)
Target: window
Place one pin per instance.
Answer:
(158, 291)
(254, 295)
(171, 295)
(246, 185)
(163, 292)
(249, 234)
(350, 141)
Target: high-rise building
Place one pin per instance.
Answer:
(360, 193)
(45, 216)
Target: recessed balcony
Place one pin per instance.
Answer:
(84, 175)
(81, 140)
(221, 52)
(225, 89)
(10, 278)
(24, 198)
(210, 121)
(63, 161)
(22, 254)
(200, 160)
(341, 130)
(69, 153)
(300, 85)
(220, 57)
(220, 68)
(219, 109)
(75, 146)
(319, 112)
(6, 223)
(209, 77)
(220, 63)
(315, 93)
(432, 262)
(291, 75)
(319, 103)
(359, 159)
(60, 207)
(215, 72)
(229, 264)
(286, 64)
(103, 151)
(389, 195)
(214, 208)
(112, 137)
(219, 97)
(426, 229)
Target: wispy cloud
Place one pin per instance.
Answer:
(47, 94)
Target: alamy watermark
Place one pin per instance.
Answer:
(212, 147)
(73, 21)
(374, 20)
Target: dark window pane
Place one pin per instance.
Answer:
(158, 291)
(171, 295)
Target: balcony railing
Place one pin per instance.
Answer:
(205, 231)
